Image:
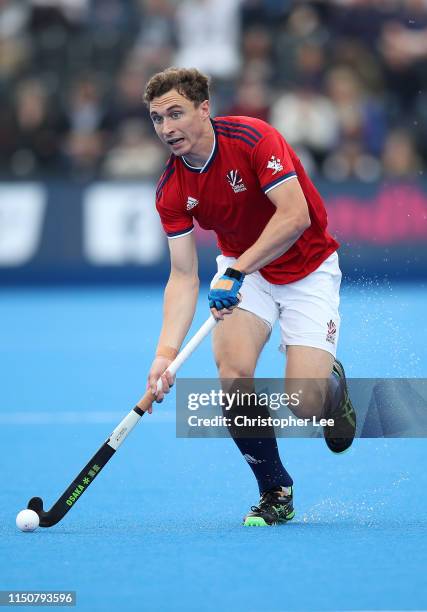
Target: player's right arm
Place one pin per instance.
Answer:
(179, 305)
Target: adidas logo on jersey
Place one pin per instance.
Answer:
(235, 181)
(191, 203)
(274, 164)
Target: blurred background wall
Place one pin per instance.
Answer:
(343, 80)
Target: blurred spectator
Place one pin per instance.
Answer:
(307, 120)
(38, 131)
(208, 36)
(13, 58)
(14, 49)
(266, 12)
(111, 29)
(84, 152)
(86, 142)
(362, 61)
(350, 161)
(53, 37)
(126, 100)
(360, 117)
(85, 110)
(71, 11)
(257, 53)
(252, 99)
(403, 48)
(400, 158)
(14, 16)
(300, 47)
(137, 153)
(112, 15)
(155, 43)
(359, 19)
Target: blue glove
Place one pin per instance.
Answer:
(224, 293)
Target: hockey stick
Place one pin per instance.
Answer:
(88, 474)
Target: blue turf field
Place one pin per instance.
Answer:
(160, 529)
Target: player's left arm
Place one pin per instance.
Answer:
(288, 223)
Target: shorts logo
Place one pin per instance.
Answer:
(191, 203)
(274, 164)
(235, 181)
(332, 332)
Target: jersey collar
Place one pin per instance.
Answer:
(210, 159)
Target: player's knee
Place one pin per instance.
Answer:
(234, 371)
(236, 379)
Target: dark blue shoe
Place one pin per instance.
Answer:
(339, 437)
(274, 508)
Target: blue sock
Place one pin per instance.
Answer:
(261, 453)
(263, 458)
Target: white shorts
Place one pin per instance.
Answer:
(307, 309)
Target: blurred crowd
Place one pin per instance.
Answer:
(343, 80)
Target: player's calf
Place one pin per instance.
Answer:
(311, 394)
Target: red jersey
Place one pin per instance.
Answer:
(228, 195)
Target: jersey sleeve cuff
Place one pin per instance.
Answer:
(179, 233)
(278, 181)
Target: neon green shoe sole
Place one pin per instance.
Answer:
(258, 521)
(255, 521)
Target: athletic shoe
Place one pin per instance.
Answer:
(275, 507)
(340, 436)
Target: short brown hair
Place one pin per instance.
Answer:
(189, 82)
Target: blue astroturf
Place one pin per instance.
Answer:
(161, 527)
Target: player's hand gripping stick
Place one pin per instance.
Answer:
(88, 474)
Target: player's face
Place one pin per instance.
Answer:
(178, 122)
